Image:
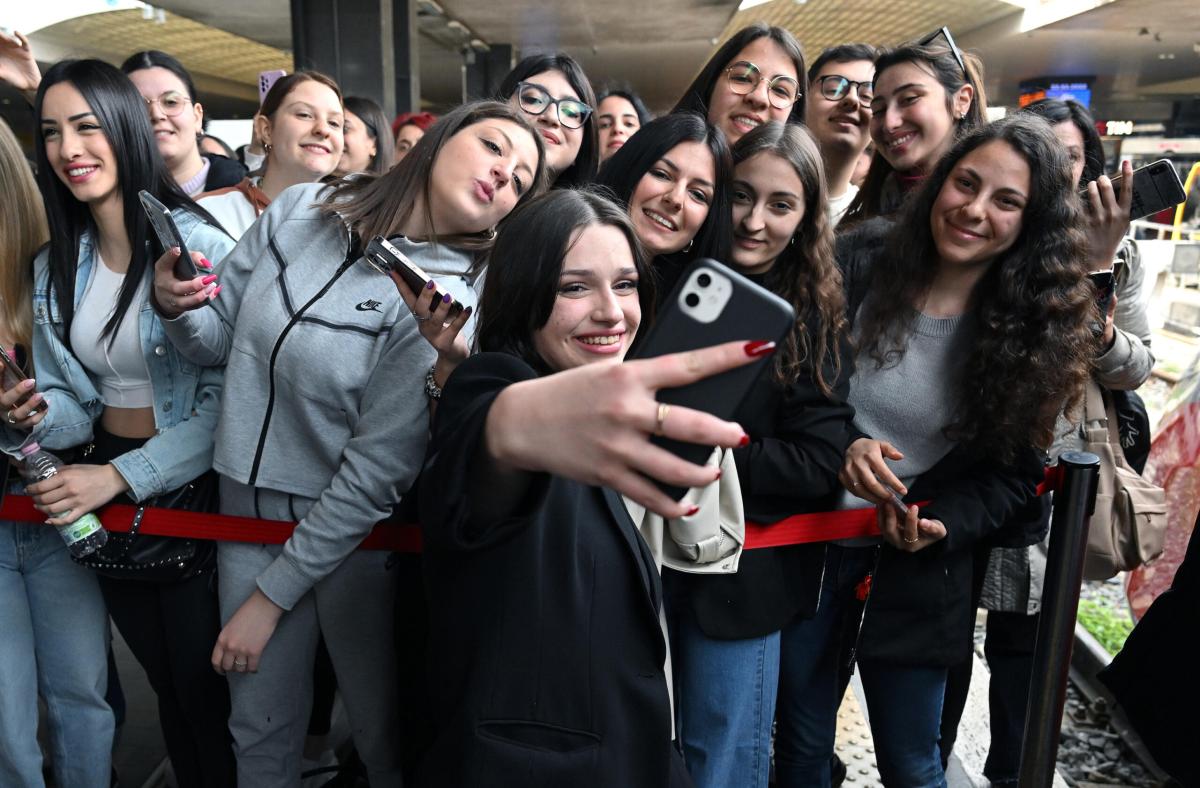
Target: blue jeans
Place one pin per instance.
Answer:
(809, 694)
(53, 641)
(904, 704)
(726, 704)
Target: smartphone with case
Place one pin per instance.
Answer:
(384, 257)
(265, 80)
(13, 374)
(713, 304)
(168, 235)
(1156, 187)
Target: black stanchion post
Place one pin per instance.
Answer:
(1074, 502)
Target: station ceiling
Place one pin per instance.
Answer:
(1140, 51)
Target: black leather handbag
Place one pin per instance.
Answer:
(160, 559)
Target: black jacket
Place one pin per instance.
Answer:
(546, 653)
(222, 172)
(798, 440)
(920, 610)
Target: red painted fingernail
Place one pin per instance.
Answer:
(759, 347)
(217, 292)
(208, 280)
(430, 285)
(692, 510)
(745, 441)
(204, 261)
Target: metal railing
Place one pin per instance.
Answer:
(1074, 502)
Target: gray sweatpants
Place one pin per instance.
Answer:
(353, 609)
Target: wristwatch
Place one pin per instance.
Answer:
(432, 389)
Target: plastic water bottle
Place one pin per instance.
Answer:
(84, 536)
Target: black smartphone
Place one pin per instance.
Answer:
(1104, 281)
(1156, 187)
(168, 235)
(712, 304)
(384, 257)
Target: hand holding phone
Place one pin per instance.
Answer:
(169, 235)
(19, 400)
(711, 305)
(441, 319)
(1156, 187)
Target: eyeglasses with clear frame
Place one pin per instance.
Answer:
(835, 87)
(744, 78)
(172, 103)
(535, 100)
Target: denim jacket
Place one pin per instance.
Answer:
(186, 396)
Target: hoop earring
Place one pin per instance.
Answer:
(688, 248)
(268, 147)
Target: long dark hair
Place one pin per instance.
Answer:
(805, 274)
(1055, 112)
(583, 170)
(371, 114)
(121, 115)
(1033, 348)
(939, 60)
(621, 173)
(698, 95)
(526, 262)
(377, 205)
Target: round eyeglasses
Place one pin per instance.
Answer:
(171, 103)
(744, 76)
(835, 87)
(535, 100)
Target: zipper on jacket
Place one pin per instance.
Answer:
(262, 437)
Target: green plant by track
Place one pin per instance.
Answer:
(1109, 627)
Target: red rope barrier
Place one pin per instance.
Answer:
(406, 537)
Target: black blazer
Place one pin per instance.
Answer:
(546, 653)
(798, 440)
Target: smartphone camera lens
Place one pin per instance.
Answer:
(692, 300)
(704, 280)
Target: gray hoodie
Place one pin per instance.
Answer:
(324, 389)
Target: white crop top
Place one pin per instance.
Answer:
(120, 367)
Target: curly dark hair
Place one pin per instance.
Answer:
(805, 274)
(1033, 349)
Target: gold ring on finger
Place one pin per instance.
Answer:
(914, 540)
(11, 418)
(660, 420)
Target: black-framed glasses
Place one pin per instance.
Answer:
(835, 87)
(535, 100)
(944, 32)
(172, 103)
(744, 77)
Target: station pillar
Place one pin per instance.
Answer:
(482, 71)
(369, 46)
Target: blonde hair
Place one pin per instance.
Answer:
(22, 232)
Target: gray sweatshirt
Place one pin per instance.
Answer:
(324, 397)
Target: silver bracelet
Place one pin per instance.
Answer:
(432, 389)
